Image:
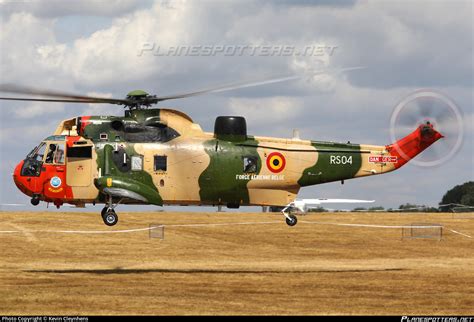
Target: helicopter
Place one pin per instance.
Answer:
(160, 156)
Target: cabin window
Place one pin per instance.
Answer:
(161, 162)
(104, 136)
(250, 164)
(80, 152)
(137, 163)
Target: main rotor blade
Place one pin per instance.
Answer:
(62, 96)
(74, 98)
(49, 100)
(234, 86)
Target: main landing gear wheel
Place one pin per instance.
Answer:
(291, 220)
(108, 213)
(109, 216)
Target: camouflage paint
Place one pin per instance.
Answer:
(336, 161)
(139, 182)
(218, 183)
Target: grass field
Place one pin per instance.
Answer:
(316, 267)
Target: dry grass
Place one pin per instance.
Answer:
(238, 269)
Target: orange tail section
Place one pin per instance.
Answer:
(413, 144)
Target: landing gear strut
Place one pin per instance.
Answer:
(108, 213)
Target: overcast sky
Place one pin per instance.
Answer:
(111, 47)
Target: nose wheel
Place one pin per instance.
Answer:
(35, 200)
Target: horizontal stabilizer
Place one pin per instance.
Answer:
(325, 201)
(304, 205)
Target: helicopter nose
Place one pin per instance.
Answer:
(18, 179)
(16, 172)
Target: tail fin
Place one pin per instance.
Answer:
(413, 144)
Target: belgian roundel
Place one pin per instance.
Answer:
(276, 162)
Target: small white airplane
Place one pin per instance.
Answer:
(302, 206)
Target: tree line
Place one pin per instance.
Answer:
(459, 198)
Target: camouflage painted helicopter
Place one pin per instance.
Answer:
(161, 157)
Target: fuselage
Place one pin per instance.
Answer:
(163, 157)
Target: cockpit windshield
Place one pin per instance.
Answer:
(38, 152)
(34, 159)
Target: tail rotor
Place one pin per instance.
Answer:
(433, 110)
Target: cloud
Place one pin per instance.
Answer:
(99, 109)
(97, 59)
(58, 8)
(26, 137)
(403, 43)
(33, 110)
(258, 110)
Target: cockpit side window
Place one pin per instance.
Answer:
(40, 152)
(50, 155)
(59, 155)
(55, 153)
